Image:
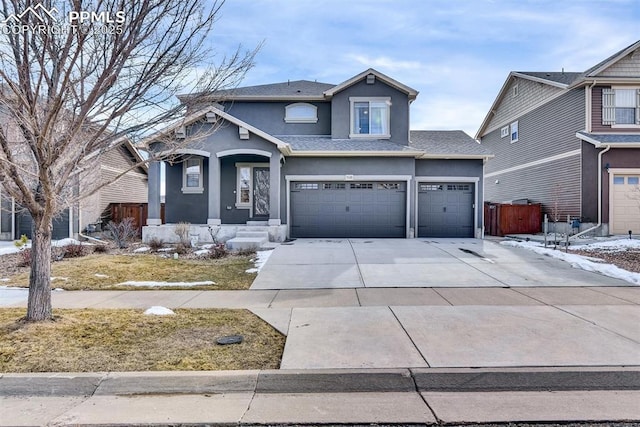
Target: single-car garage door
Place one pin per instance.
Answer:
(348, 209)
(60, 225)
(625, 209)
(445, 209)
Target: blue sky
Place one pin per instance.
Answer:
(456, 53)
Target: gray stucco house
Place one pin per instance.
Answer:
(308, 159)
(571, 141)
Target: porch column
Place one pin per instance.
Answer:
(213, 217)
(153, 213)
(274, 190)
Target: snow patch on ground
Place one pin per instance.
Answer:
(10, 250)
(142, 249)
(59, 278)
(578, 261)
(201, 252)
(611, 245)
(165, 284)
(157, 310)
(65, 242)
(260, 260)
(101, 276)
(4, 279)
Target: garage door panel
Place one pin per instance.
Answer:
(625, 208)
(445, 210)
(354, 209)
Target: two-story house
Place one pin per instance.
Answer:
(309, 159)
(570, 141)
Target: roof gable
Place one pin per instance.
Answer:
(599, 69)
(411, 93)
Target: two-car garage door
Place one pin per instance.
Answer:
(379, 209)
(348, 209)
(625, 204)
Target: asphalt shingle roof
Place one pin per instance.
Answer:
(325, 143)
(558, 77)
(613, 138)
(288, 90)
(446, 142)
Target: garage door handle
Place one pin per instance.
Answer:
(346, 208)
(444, 209)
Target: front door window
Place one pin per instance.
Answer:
(252, 188)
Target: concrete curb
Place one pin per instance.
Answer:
(321, 381)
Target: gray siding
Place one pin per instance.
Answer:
(546, 131)
(184, 207)
(269, 117)
(552, 182)
(341, 114)
(530, 94)
(454, 168)
(628, 66)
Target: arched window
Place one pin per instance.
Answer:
(301, 112)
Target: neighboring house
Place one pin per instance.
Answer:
(131, 188)
(570, 141)
(308, 159)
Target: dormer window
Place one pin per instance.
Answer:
(301, 112)
(370, 117)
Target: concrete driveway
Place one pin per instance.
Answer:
(415, 263)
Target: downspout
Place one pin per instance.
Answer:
(599, 224)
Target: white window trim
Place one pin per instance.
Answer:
(517, 131)
(193, 190)
(515, 91)
(310, 119)
(504, 131)
(627, 125)
(353, 100)
(251, 166)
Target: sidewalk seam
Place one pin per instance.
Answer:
(614, 296)
(595, 324)
(410, 339)
(190, 299)
(415, 384)
(355, 257)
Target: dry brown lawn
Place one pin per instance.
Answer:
(88, 272)
(128, 340)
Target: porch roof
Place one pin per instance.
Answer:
(326, 143)
(619, 140)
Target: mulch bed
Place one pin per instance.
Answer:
(627, 260)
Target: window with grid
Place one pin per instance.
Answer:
(621, 106)
(370, 117)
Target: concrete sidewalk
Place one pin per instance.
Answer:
(399, 396)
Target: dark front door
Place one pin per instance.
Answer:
(261, 192)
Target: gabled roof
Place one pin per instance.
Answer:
(596, 69)
(192, 118)
(563, 78)
(616, 140)
(447, 144)
(411, 93)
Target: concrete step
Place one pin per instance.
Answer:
(246, 243)
(258, 223)
(244, 233)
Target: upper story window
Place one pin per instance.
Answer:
(621, 106)
(370, 117)
(192, 175)
(514, 132)
(301, 112)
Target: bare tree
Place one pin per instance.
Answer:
(77, 78)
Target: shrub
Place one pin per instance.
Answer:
(182, 230)
(101, 249)
(25, 257)
(20, 243)
(122, 232)
(218, 251)
(181, 249)
(75, 251)
(245, 252)
(156, 244)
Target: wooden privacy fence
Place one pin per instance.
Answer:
(137, 211)
(501, 219)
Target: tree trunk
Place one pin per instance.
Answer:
(39, 306)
